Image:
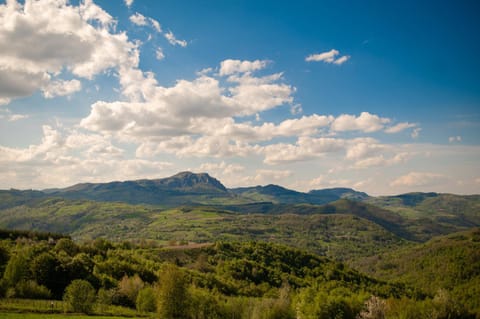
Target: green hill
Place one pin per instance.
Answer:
(449, 262)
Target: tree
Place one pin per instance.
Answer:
(375, 309)
(173, 298)
(17, 269)
(68, 246)
(80, 296)
(146, 301)
(130, 287)
(46, 271)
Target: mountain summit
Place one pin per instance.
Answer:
(177, 189)
(188, 181)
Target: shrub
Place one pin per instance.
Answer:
(80, 296)
(32, 290)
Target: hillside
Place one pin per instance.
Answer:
(433, 214)
(449, 262)
(340, 235)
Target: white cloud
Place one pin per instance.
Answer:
(67, 157)
(222, 169)
(418, 179)
(138, 19)
(159, 54)
(364, 148)
(366, 122)
(230, 66)
(399, 127)
(155, 24)
(453, 139)
(128, 3)
(66, 38)
(416, 132)
(328, 57)
(61, 88)
(10, 117)
(341, 60)
(173, 40)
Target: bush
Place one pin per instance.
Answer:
(32, 290)
(146, 301)
(80, 296)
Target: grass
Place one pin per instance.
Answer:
(53, 316)
(34, 308)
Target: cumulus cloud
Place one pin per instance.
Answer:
(366, 122)
(230, 66)
(328, 57)
(71, 157)
(66, 38)
(61, 88)
(128, 3)
(418, 179)
(138, 19)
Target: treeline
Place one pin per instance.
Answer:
(224, 280)
(36, 235)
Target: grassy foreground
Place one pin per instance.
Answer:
(51, 316)
(39, 309)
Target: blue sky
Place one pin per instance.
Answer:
(380, 96)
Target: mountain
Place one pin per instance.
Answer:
(182, 188)
(281, 195)
(332, 194)
(433, 214)
(272, 193)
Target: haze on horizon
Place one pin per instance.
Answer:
(383, 98)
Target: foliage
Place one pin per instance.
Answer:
(146, 300)
(247, 279)
(172, 293)
(80, 296)
(32, 290)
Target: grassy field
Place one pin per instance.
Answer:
(32, 308)
(53, 316)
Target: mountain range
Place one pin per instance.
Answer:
(187, 188)
(202, 209)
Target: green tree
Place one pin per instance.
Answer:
(146, 300)
(68, 246)
(173, 299)
(80, 296)
(46, 270)
(17, 269)
(129, 287)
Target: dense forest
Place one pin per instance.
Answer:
(224, 280)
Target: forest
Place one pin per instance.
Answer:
(232, 280)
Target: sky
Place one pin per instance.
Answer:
(379, 96)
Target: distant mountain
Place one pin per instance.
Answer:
(332, 194)
(433, 214)
(281, 195)
(182, 188)
(272, 193)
